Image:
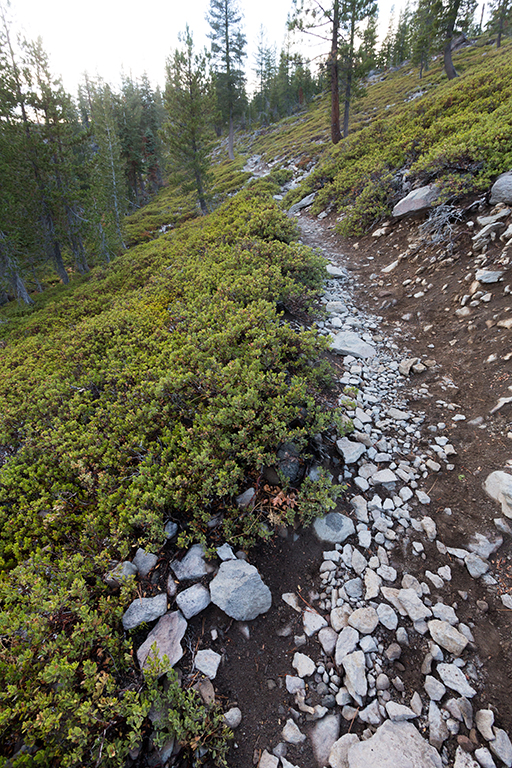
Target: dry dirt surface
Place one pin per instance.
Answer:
(417, 300)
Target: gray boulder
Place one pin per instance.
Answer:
(239, 591)
(498, 486)
(394, 745)
(349, 343)
(304, 203)
(193, 600)
(144, 561)
(501, 190)
(193, 566)
(417, 200)
(334, 528)
(143, 610)
(166, 636)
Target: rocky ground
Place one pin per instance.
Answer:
(388, 636)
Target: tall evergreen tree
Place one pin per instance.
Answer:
(187, 132)
(340, 23)
(425, 25)
(500, 21)
(228, 51)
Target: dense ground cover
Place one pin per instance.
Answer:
(156, 389)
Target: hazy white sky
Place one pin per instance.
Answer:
(106, 37)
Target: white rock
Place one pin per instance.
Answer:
(303, 664)
(291, 733)
(338, 756)
(412, 604)
(268, 761)
(364, 620)
(346, 643)
(399, 712)
(502, 747)
(498, 486)
(394, 745)
(372, 582)
(233, 717)
(387, 616)
(463, 759)
(454, 678)
(312, 622)
(484, 720)
(355, 676)
(447, 636)
(323, 735)
(207, 662)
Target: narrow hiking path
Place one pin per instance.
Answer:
(406, 619)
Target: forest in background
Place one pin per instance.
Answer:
(73, 167)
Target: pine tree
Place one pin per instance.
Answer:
(228, 51)
(500, 21)
(341, 24)
(425, 25)
(188, 102)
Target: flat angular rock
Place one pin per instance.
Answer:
(372, 582)
(303, 664)
(464, 760)
(327, 638)
(338, 756)
(350, 450)
(349, 343)
(144, 561)
(364, 620)
(475, 565)
(333, 528)
(193, 566)
(502, 747)
(387, 616)
(484, 720)
(355, 675)
(438, 731)
(484, 758)
(291, 733)
(193, 600)
(144, 610)
(498, 486)
(371, 714)
(312, 622)
(233, 717)
(488, 276)
(394, 745)
(384, 476)
(434, 688)
(294, 684)
(412, 604)
(346, 643)
(239, 591)
(447, 636)
(304, 203)
(485, 546)
(167, 636)
(268, 761)
(417, 200)
(399, 712)
(207, 662)
(455, 679)
(120, 573)
(501, 190)
(323, 735)
(225, 552)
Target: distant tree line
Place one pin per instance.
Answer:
(71, 169)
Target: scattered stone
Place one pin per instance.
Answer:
(502, 747)
(498, 486)
(303, 664)
(225, 552)
(484, 720)
(364, 620)
(207, 662)
(484, 757)
(338, 756)
(454, 678)
(233, 717)
(312, 622)
(417, 200)
(349, 343)
(438, 731)
(267, 760)
(350, 450)
(144, 610)
(291, 733)
(333, 528)
(120, 574)
(193, 600)
(291, 599)
(434, 688)
(144, 562)
(412, 604)
(399, 712)
(371, 714)
(193, 566)
(346, 643)
(463, 759)
(447, 636)
(394, 745)
(384, 476)
(475, 565)
(387, 616)
(323, 735)
(167, 636)
(296, 208)
(239, 591)
(355, 676)
(245, 499)
(328, 638)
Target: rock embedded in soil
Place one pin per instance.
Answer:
(323, 735)
(365, 620)
(455, 679)
(193, 600)
(239, 591)
(144, 561)
(349, 343)
(143, 610)
(303, 664)
(354, 665)
(167, 636)
(394, 745)
(447, 636)
(334, 528)
(193, 566)
(502, 747)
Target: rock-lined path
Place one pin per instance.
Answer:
(378, 662)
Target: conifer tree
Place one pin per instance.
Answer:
(341, 23)
(500, 21)
(188, 101)
(228, 51)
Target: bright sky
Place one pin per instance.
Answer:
(106, 37)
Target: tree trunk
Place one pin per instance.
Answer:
(350, 68)
(453, 10)
(333, 64)
(231, 153)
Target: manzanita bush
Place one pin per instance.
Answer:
(159, 388)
